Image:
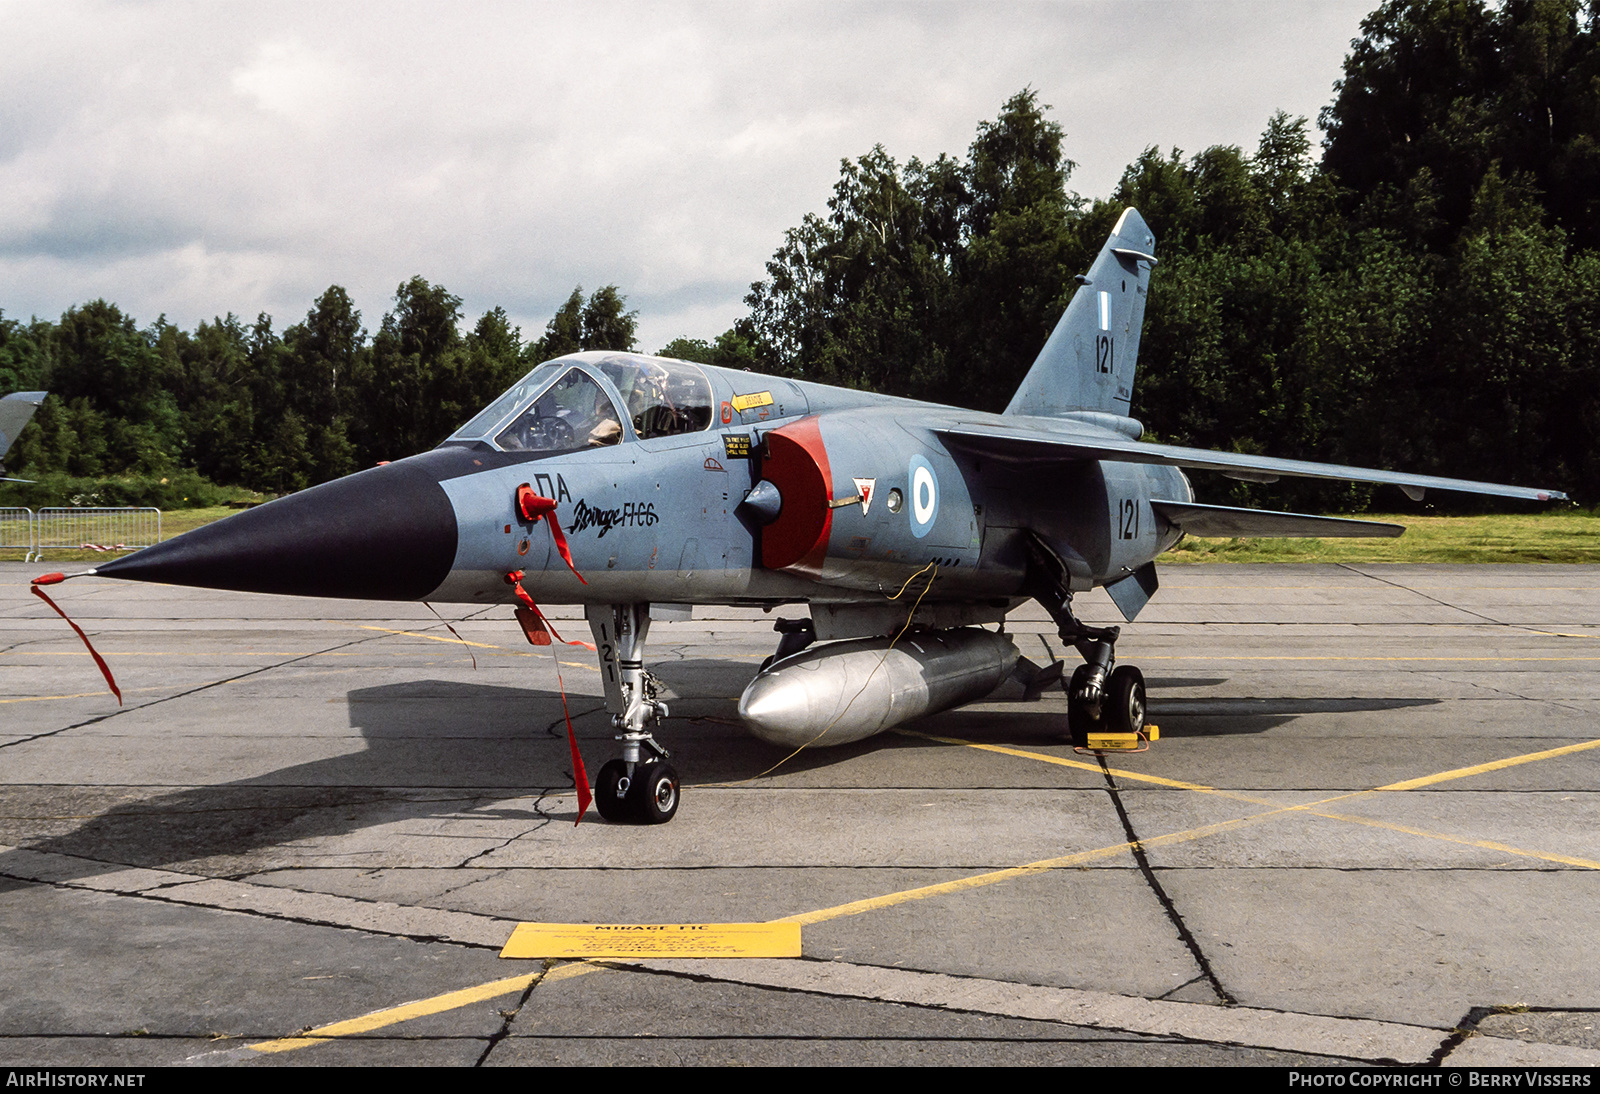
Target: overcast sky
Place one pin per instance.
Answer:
(198, 158)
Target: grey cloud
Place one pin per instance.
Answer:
(193, 159)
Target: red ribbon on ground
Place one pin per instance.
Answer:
(528, 615)
(534, 507)
(105, 670)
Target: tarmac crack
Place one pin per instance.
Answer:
(467, 862)
(1467, 1027)
(557, 728)
(1161, 895)
(509, 1016)
(1192, 980)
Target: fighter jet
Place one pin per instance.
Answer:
(639, 487)
(15, 411)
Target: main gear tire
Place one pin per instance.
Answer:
(1125, 700)
(1081, 720)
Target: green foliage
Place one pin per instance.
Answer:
(606, 322)
(601, 322)
(180, 490)
(1457, 89)
(923, 278)
(734, 348)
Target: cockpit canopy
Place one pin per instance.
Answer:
(571, 403)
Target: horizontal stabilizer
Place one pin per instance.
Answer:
(1225, 521)
(1044, 441)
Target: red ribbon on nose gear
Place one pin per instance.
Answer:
(105, 669)
(534, 507)
(534, 623)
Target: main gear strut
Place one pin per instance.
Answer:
(1103, 698)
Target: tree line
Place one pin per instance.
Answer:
(247, 405)
(1423, 294)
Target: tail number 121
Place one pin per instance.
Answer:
(1128, 519)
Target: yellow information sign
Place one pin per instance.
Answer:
(742, 403)
(584, 940)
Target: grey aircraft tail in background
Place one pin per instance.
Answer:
(16, 410)
(904, 528)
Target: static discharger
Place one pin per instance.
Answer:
(1104, 741)
(595, 940)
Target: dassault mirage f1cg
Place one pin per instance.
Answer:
(906, 527)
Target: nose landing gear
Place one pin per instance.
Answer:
(633, 789)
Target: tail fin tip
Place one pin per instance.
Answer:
(1088, 363)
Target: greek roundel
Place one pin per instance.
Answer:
(924, 506)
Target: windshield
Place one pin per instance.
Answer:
(503, 407)
(575, 412)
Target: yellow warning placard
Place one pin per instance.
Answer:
(742, 403)
(654, 940)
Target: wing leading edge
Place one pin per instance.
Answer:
(1044, 444)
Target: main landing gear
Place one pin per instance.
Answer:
(641, 787)
(1104, 699)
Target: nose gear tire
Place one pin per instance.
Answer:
(611, 789)
(654, 792)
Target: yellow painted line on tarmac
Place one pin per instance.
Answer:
(1062, 761)
(1487, 845)
(1312, 807)
(1492, 765)
(421, 1008)
(494, 988)
(434, 637)
(77, 695)
(979, 881)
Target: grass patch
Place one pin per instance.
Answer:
(1571, 536)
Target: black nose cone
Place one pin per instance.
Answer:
(388, 533)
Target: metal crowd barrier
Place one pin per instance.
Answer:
(16, 530)
(95, 529)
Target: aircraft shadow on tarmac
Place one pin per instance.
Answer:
(433, 749)
(439, 748)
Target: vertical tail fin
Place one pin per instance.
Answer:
(1088, 363)
(15, 410)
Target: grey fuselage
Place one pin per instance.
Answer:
(659, 520)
